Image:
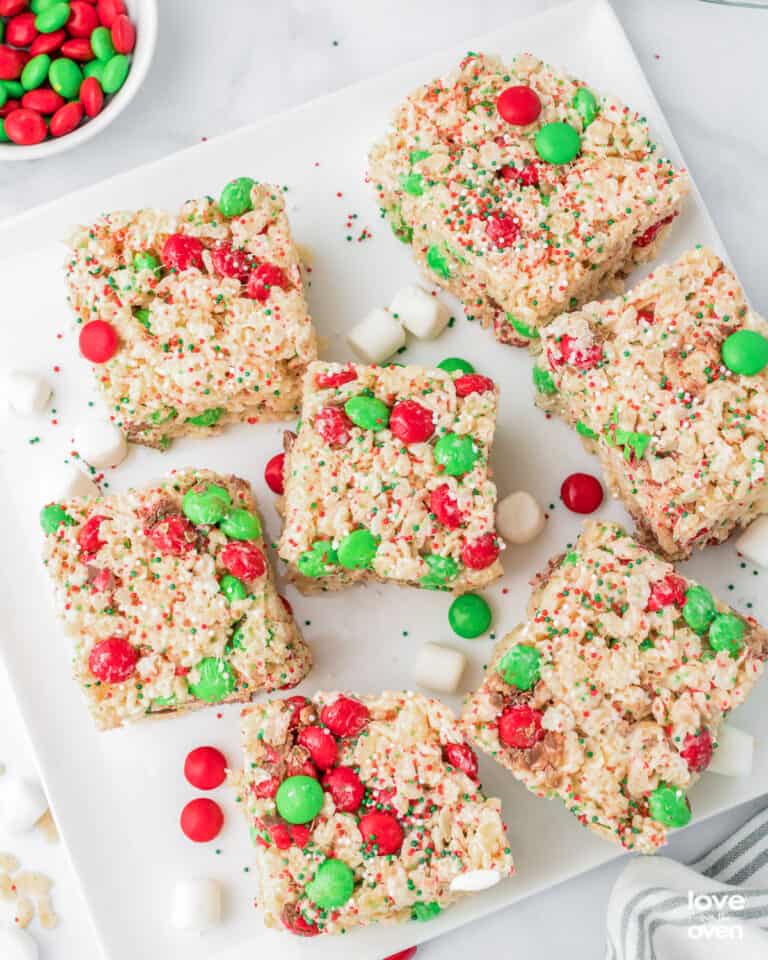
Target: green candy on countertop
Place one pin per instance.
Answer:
(726, 632)
(520, 666)
(368, 413)
(456, 453)
(232, 588)
(240, 524)
(332, 885)
(452, 364)
(669, 805)
(318, 561)
(441, 571)
(216, 680)
(357, 550)
(699, 609)
(558, 143)
(469, 616)
(745, 352)
(299, 799)
(52, 516)
(586, 105)
(206, 506)
(235, 198)
(542, 380)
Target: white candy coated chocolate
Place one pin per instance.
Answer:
(100, 443)
(439, 668)
(753, 543)
(22, 803)
(17, 944)
(475, 880)
(377, 337)
(419, 312)
(519, 518)
(196, 904)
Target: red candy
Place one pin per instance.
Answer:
(98, 339)
(44, 101)
(445, 507)
(480, 553)
(66, 119)
(697, 750)
(520, 726)
(273, 473)
(345, 717)
(229, 262)
(473, 383)
(345, 787)
(502, 230)
(519, 105)
(205, 768)
(88, 537)
(123, 34)
(201, 820)
(568, 353)
(113, 660)
(109, 11)
(182, 252)
(266, 789)
(172, 535)
(20, 31)
(9, 8)
(25, 127)
(77, 49)
(647, 238)
(83, 19)
(411, 422)
(381, 831)
(461, 756)
(9, 107)
(91, 96)
(335, 379)
(581, 493)
(261, 281)
(11, 63)
(293, 921)
(527, 176)
(243, 560)
(47, 42)
(321, 745)
(296, 704)
(664, 593)
(333, 425)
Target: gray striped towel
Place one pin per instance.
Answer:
(714, 909)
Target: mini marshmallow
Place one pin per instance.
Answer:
(753, 543)
(196, 904)
(439, 668)
(420, 313)
(475, 880)
(22, 803)
(60, 481)
(26, 393)
(734, 754)
(17, 944)
(519, 518)
(376, 337)
(100, 443)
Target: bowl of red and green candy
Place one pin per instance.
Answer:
(68, 68)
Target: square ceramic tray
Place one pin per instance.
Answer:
(117, 796)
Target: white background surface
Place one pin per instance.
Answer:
(224, 64)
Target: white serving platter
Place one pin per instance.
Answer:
(117, 796)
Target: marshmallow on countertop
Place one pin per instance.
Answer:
(419, 312)
(475, 880)
(196, 904)
(26, 393)
(734, 754)
(22, 803)
(100, 443)
(17, 944)
(753, 543)
(377, 337)
(439, 668)
(519, 518)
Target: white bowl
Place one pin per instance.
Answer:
(144, 15)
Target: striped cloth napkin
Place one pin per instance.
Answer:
(714, 909)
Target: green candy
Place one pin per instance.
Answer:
(217, 680)
(456, 453)
(451, 364)
(520, 666)
(115, 73)
(52, 18)
(299, 799)
(65, 77)
(332, 885)
(52, 516)
(94, 68)
(101, 44)
(14, 89)
(206, 506)
(425, 910)
(585, 104)
(208, 418)
(232, 588)
(164, 701)
(165, 414)
(699, 609)
(745, 352)
(469, 616)
(669, 805)
(239, 524)
(585, 431)
(3, 95)
(237, 640)
(37, 6)
(357, 550)
(437, 262)
(726, 632)
(236, 197)
(413, 184)
(558, 143)
(4, 138)
(142, 315)
(35, 72)
(441, 570)
(146, 260)
(367, 413)
(522, 328)
(542, 380)
(319, 561)
(416, 156)
(398, 225)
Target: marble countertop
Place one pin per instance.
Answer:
(222, 65)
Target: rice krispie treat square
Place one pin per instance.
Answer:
(170, 598)
(521, 190)
(364, 809)
(611, 694)
(388, 479)
(669, 386)
(193, 320)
